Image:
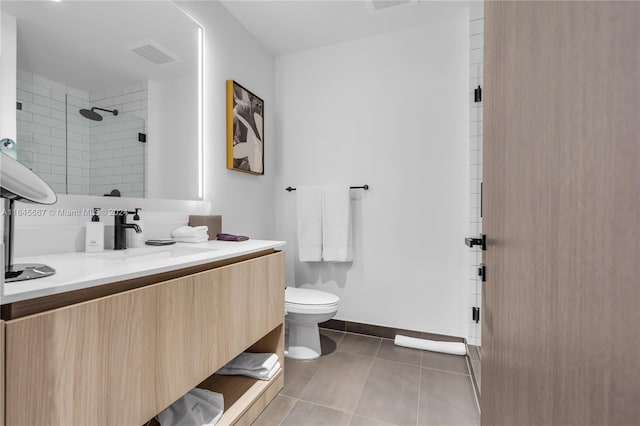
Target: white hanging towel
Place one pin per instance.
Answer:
(336, 224)
(309, 215)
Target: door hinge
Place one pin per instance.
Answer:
(475, 314)
(482, 272)
(477, 94)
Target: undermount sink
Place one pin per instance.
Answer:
(144, 254)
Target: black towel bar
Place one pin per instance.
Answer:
(365, 187)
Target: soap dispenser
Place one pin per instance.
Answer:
(94, 235)
(135, 239)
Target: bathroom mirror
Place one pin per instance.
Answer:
(107, 97)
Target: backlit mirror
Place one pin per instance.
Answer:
(107, 97)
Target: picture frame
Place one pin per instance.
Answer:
(245, 130)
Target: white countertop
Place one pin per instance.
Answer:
(76, 271)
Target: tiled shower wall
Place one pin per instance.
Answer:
(100, 156)
(42, 132)
(117, 158)
(476, 60)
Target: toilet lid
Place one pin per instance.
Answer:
(307, 296)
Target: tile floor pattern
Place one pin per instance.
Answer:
(365, 380)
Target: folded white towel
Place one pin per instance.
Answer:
(336, 224)
(189, 231)
(253, 361)
(256, 374)
(197, 407)
(309, 214)
(199, 239)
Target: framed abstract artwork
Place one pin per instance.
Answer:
(245, 130)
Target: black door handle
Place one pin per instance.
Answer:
(481, 241)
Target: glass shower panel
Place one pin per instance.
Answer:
(41, 131)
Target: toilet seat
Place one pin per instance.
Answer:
(309, 301)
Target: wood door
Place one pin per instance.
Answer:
(561, 214)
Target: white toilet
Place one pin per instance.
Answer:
(305, 309)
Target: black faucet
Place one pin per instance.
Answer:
(121, 225)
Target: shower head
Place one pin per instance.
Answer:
(93, 115)
(90, 114)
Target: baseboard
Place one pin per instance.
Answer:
(384, 332)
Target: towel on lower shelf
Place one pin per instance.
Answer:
(189, 231)
(253, 361)
(197, 407)
(261, 374)
(261, 366)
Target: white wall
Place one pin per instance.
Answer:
(390, 111)
(173, 139)
(244, 201)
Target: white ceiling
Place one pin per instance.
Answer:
(289, 26)
(85, 44)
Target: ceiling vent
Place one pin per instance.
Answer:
(153, 52)
(379, 5)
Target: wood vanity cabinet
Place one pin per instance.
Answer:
(123, 358)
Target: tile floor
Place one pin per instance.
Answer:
(364, 380)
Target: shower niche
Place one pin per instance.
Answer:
(78, 142)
